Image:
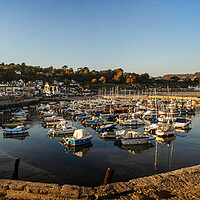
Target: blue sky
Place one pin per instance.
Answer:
(153, 36)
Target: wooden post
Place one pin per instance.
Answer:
(108, 176)
(15, 172)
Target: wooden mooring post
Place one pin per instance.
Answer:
(108, 176)
(16, 166)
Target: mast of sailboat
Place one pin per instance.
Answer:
(156, 156)
(156, 104)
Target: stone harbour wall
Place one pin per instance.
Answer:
(179, 184)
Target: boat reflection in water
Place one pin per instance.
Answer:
(20, 136)
(182, 132)
(137, 148)
(161, 142)
(79, 151)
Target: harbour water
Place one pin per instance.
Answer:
(87, 165)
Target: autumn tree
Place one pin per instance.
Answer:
(102, 79)
(94, 80)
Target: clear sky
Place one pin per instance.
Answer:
(153, 36)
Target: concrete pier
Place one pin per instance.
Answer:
(180, 184)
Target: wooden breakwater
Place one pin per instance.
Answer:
(179, 184)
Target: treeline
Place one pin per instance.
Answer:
(10, 72)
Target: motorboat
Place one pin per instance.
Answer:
(108, 134)
(132, 122)
(133, 138)
(62, 129)
(83, 116)
(53, 121)
(93, 121)
(80, 137)
(165, 130)
(182, 122)
(13, 123)
(16, 131)
(151, 129)
(106, 127)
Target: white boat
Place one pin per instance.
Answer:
(21, 117)
(133, 138)
(17, 130)
(20, 113)
(108, 134)
(48, 114)
(183, 123)
(80, 137)
(151, 129)
(132, 122)
(62, 129)
(165, 130)
(51, 121)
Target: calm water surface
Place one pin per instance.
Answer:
(87, 166)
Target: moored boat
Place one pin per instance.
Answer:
(165, 130)
(80, 137)
(17, 130)
(108, 134)
(13, 123)
(182, 122)
(133, 138)
(132, 122)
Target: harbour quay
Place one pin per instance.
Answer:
(179, 184)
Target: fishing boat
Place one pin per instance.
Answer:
(16, 131)
(13, 123)
(80, 137)
(133, 138)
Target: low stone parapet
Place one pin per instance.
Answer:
(178, 184)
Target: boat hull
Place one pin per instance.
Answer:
(135, 141)
(80, 142)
